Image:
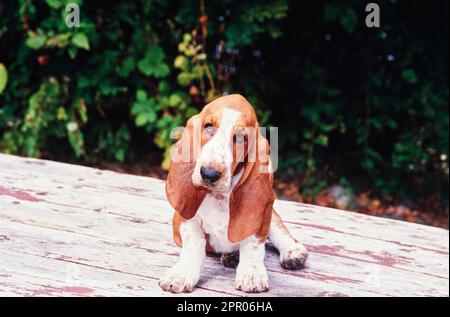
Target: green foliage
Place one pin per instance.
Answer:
(3, 77)
(152, 64)
(145, 109)
(254, 18)
(80, 40)
(373, 103)
(368, 105)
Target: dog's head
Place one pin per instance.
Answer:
(218, 146)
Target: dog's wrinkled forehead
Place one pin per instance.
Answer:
(215, 109)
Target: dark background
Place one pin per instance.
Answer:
(362, 112)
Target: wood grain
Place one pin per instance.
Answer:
(68, 230)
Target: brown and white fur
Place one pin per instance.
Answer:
(228, 210)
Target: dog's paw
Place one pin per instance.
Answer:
(294, 257)
(178, 281)
(252, 278)
(230, 259)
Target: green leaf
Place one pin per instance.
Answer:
(409, 75)
(55, 4)
(174, 99)
(72, 51)
(163, 87)
(307, 134)
(141, 95)
(197, 71)
(35, 42)
(166, 162)
(3, 77)
(153, 63)
(141, 120)
(190, 50)
(127, 67)
(191, 111)
(161, 70)
(61, 114)
(151, 116)
(187, 37)
(120, 154)
(155, 54)
(80, 40)
(184, 79)
(322, 140)
(150, 60)
(145, 67)
(348, 19)
(85, 81)
(149, 68)
(182, 47)
(82, 111)
(180, 62)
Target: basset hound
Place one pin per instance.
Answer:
(220, 185)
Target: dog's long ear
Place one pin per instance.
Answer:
(252, 198)
(183, 196)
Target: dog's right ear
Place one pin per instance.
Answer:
(183, 196)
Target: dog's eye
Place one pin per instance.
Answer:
(209, 128)
(239, 138)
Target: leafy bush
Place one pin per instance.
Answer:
(367, 107)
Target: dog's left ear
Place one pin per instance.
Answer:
(183, 196)
(252, 198)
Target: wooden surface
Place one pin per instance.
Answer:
(69, 230)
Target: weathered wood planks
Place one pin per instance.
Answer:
(69, 230)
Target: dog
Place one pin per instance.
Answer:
(220, 184)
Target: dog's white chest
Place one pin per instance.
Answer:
(214, 216)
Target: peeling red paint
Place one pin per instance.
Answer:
(18, 194)
(48, 290)
(325, 249)
(445, 252)
(326, 278)
(78, 290)
(414, 246)
(353, 245)
(314, 226)
(385, 259)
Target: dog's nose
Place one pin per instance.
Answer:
(209, 174)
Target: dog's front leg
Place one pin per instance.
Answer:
(293, 254)
(184, 275)
(251, 273)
